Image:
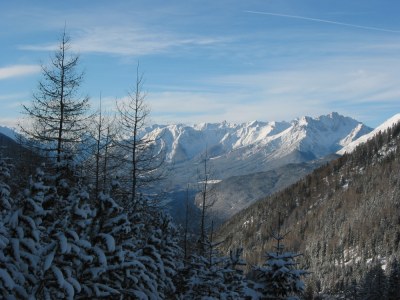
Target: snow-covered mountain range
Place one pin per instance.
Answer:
(238, 149)
(243, 154)
(242, 150)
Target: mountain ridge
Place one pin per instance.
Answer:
(237, 149)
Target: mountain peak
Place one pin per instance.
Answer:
(334, 115)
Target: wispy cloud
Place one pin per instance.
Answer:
(18, 70)
(132, 41)
(358, 88)
(193, 107)
(323, 21)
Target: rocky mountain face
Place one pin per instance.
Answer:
(344, 217)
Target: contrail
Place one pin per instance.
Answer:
(323, 21)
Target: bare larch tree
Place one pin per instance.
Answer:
(141, 154)
(58, 113)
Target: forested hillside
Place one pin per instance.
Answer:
(344, 217)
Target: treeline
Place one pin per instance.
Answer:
(344, 217)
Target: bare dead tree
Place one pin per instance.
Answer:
(58, 113)
(141, 153)
(96, 166)
(207, 199)
(185, 239)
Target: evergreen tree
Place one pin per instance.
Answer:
(67, 251)
(163, 242)
(5, 174)
(220, 280)
(393, 287)
(233, 274)
(121, 266)
(9, 273)
(373, 286)
(25, 232)
(279, 277)
(202, 280)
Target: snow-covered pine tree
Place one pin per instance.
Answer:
(200, 280)
(393, 285)
(220, 280)
(212, 276)
(67, 252)
(118, 268)
(25, 237)
(160, 251)
(8, 269)
(234, 278)
(5, 174)
(279, 277)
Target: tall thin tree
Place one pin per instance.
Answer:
(207, 200)
(103, 135)
(58, 113)
(142, 154)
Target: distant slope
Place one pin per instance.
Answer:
(235, 193)
(343, 216)
(8, 146)
(22, 158)
(8, 132)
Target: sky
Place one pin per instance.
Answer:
(212, 61)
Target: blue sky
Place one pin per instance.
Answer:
(209, 61)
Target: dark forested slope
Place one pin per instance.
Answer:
(344, 217)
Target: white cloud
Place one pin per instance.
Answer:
(329, 80)
(18, 70)
(132, 40)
